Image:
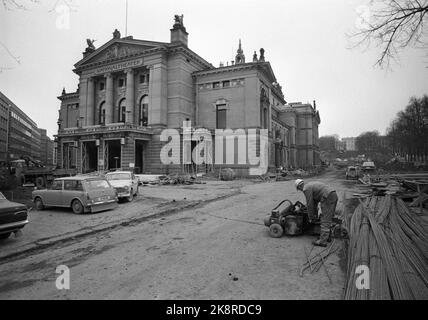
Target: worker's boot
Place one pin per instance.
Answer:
(323, 239)
(320, 243)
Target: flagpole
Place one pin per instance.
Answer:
(126, 20)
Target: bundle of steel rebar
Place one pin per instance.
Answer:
(391, 241)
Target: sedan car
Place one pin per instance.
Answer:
(125, 183)
(13, 217)
(80, 193)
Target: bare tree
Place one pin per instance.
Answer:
(17, 4)
(393, 25)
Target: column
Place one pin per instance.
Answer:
(90, 106)
(109, 98)
(83, 96)
(130, 97)
(158, 95)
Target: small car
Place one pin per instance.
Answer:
(13, 217)
(352, 173)
(368, 167)
(125, 183)
(80, 193)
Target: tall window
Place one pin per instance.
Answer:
(221, 116)
(265, 118)
(122, 111)
(102, 116)
(143, 117)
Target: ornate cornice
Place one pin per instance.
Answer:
(179, 48)
(69, 96)
(93, 65)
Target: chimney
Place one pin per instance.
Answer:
(178, 31)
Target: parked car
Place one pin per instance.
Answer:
(125, 183)
(352, 173)
(13, 217)
(368, 166)
(80, 193)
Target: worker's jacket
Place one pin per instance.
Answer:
(315, 192)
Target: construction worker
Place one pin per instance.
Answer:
(315, 193)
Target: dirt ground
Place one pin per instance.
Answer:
(173, 242)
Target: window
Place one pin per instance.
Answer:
(122, 111)
(221, 116)
(102, 86)
(142, 78)
(121, 82)
(216, 85)
(102, 116)
(226, 84)
(73, 185)
(143, 117)
(97, 184)
(147, 78)
(265, 118)
(56, 185)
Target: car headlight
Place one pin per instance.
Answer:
(126, 188)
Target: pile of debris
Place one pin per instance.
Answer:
(179, 179)
(410, 187)
(392, 243)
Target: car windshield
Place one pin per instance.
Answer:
(2, 197)
(118, 176)
(97, 184)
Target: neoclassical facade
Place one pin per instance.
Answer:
(131, 90)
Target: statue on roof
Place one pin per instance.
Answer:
(90, 44)
(178, 19)
(116, 34)
(262, 55)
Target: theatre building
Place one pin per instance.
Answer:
(130, 90)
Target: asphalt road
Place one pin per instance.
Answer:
(215, 249)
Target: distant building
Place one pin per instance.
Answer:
(130, 90)
(19, 133)
(46, 148)
(4, 127)
(350, 143)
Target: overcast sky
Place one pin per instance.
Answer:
(304, 40)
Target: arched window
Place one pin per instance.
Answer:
(102, 115)
(122, 110)
(143, 115)
(265, 118)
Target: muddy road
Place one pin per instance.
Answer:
(213, 249)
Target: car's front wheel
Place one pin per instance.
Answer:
(131, 196)
(77, 207)
(38, 204)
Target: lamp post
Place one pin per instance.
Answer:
(116, 158)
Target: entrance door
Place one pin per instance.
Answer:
(89, 157)
(112, 154)
(139, 156)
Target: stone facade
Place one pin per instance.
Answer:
(130, 90)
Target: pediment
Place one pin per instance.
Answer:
(116, 49)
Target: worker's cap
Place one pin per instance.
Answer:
(298, 182)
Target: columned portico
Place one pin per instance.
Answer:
(130, 97)
(109, 98)
(90, 113)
